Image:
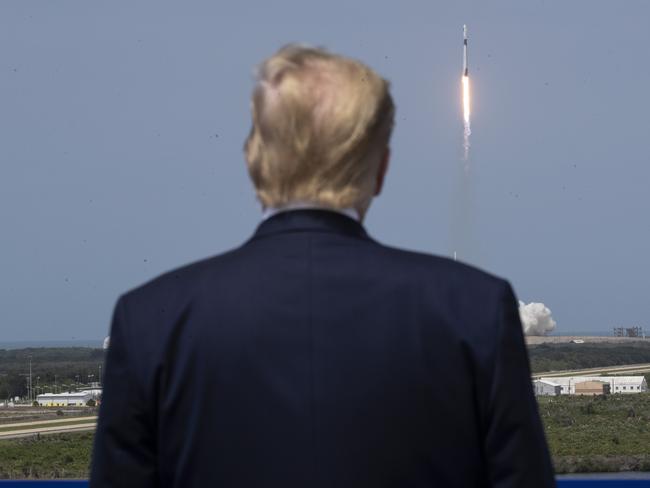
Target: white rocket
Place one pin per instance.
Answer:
(466, 98)
(465, 69)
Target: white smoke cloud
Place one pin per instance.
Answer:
(536, 318)
(107, 340)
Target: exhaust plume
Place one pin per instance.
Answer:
(536, 319)
(466, 98)
(467, 130)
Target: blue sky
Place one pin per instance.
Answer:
(122, 126)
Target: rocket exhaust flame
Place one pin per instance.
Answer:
(466, 103)
(466, 98)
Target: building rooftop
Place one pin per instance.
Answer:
(75, 394)
(619, 380)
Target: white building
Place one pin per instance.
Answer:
(95, 393)
(544, 387)
(77, 399)
(617, 384)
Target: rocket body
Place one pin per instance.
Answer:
(465, 67)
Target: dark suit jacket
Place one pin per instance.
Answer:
(312, 356)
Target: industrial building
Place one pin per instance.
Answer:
(546, 387)
(77, 399)
(590, 385)
(95, 393)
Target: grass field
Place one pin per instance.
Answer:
(585, 434)
(46, 457)
(603, 433)
(45, 414)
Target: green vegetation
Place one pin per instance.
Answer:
(65, 366)
(557, 357)
(51, 456)
(601, 433)
(585, 434)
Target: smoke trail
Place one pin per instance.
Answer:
(467, 130)
(536, 319)
(464, 244)
(462, 239)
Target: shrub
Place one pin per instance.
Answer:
(588, 409)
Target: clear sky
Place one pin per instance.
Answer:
(122, 125)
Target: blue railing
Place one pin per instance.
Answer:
(561, 483)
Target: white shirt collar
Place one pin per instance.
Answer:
(270, 211)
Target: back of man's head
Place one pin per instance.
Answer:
(321, 124)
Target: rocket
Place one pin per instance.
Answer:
(465, 69)
(466, 98)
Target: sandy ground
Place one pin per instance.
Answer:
(36, 424)
(627, 370)
(534, 340)
(24, 432)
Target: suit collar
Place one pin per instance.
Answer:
(299, 205)
(318, 220)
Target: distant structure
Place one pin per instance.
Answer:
(592, 387)
(547, 388)
(629, 332)
(95, 392)
(77, 399)
(589, 385)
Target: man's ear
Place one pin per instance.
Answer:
(383, 168)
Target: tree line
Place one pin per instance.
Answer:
(62, 367)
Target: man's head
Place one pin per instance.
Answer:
(321, 128)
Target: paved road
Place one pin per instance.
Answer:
(48, 422)
(535, 340)
(45, 427)
(628, 369)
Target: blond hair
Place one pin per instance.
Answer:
(320, 125)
